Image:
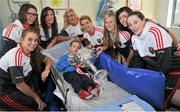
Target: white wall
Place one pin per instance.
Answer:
(156, 9)
(81, 7)
(162, 12)
(5, 12)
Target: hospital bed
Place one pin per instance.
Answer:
(111, 95)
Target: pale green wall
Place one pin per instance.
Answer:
(81, 7)
(88, 7)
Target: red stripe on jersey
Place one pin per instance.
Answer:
(19, 105)
(13, 104)
(5, 100)
(124, 35)
(99, 29)
(157, 44)
(158, 37)
(9, 29)
(9, 103)
(127, 35)
(15, 58)
(174, 73)
(18, 57)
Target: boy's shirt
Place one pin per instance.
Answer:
(64, 65)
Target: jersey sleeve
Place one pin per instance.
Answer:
(16, 73)
(15, 67)
(13, 32)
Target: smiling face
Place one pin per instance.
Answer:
(136, 24)
(87, 25)
(29, 42)
(31, 16)
(49, 19)
(123, 18)
(74, 47)
(109, 23)
(72, 19)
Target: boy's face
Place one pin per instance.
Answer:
(73, 49)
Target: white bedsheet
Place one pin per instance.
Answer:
(111, 92)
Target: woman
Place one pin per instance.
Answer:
(122, 15)
(71, 27)
(93, 34)
(27, 18)
(49, 28)
(71, 23)
(15, 70)
(49, 31)
(121, 18)
(115, 41)
(152, 43)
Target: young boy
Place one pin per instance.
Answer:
(83, 85)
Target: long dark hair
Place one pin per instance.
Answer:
(54, 27)
(118, 12)
(22, 16)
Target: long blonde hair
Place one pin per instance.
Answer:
(107, 41)
(66, 22)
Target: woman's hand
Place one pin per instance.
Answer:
(90, 46)
(23, 87)
(177, 52)
(52, 43)
(40, 103)
(124, 61)
(101, 48)
(45, 74)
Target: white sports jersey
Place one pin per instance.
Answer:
(74, 30)
(14, 31)
(97, 37)
(16, 58)
(43, 37)
(153, 37)
(124, 36)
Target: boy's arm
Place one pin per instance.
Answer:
(62, 63)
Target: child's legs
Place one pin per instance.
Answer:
(87, 82)
(74, 79)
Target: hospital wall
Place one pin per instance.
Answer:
(155, 9)
(81, 7)
(162, 14)
(89, 7)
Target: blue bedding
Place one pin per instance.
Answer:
(148, 85)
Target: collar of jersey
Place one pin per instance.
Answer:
(26, 54)
(145, 30)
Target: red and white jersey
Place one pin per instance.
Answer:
(97, 37)
(74, 30)
(152, 36)
(124, 36)
(16, 58)
(14, 31)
